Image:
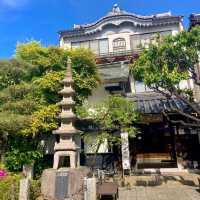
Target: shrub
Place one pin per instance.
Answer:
(35, 190)
(9, 187)
(2, 173)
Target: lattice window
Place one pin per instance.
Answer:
(119, 44)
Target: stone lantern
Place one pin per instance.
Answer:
(66, 151)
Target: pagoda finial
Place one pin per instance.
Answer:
(116, 8)
(69, 70)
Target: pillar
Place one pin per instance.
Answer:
(178, 148)
(125, 153)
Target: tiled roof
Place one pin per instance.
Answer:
(116, 13)
(153, 103)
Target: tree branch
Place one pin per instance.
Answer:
(172, 92)
(187, 102)
(186, 115)
(180, 121)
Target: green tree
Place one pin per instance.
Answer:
(168, 62)
(12, 72)
(29, 92)
(112, 116)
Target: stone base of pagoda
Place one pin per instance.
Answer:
(72, 155)
(65, 146)
(64, 183)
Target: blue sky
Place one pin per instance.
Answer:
(23, 20)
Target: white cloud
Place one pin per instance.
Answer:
(14, 3)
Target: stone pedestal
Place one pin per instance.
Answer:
(72, 157)
(180, 163)
(24, 189)
(65, 183)
(90, 189)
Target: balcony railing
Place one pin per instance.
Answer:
(120, 53)
(117, 56)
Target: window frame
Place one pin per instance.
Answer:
(89, 45)
(119, 48)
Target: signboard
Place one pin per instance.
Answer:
(152, 118)
(61, 190)
(125, 152)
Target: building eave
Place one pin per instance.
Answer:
(194, 20)
(142, 21)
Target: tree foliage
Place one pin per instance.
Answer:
(29, 85)
(169, 61)
(114, 115)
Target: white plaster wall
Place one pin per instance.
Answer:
(176, 30)
(186, 84)
(90, 144)
(183, 84)
(98, 95)
(113, 32)
(132, 84)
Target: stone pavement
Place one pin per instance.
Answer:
(164, 192)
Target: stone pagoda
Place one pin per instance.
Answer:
(66, 151)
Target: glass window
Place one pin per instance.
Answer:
(143, 40)
(75, 44)
(135, 41)
(85, 44)
(166, 33)
(94, 45)
(119, 44)
(103, 46)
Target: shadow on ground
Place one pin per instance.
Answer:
(198, 190)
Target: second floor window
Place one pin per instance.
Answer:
(103, 46)
(97, 46)
(119, 44)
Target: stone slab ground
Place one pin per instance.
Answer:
(163, 192)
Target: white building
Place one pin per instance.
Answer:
(116, 39)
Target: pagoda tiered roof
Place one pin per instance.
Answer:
(66, 102)
(70, 130)
(67, 91)
(67, 115)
